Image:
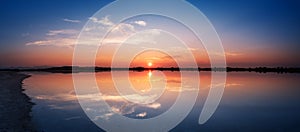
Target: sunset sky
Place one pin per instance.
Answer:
(253, 33)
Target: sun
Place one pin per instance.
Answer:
(150, 64)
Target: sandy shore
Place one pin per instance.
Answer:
(15, 106)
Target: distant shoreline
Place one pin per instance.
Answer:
(15, 106)
(76, 69)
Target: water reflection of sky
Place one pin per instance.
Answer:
(251, 101)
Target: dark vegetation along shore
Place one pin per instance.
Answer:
(74, 69)
(15, 106)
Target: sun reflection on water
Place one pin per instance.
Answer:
(149, 74)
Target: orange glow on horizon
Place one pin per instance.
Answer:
(147, 59)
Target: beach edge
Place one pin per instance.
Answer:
(15, 105)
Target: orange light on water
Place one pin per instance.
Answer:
(149, 73)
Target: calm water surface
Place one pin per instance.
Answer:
(251, 101)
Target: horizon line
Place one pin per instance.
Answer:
(76, 69)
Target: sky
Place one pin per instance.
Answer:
(253, 33)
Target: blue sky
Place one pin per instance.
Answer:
(34, 18)
(253, 24)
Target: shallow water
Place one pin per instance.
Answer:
(251, 101)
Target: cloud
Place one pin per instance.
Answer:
(73, 118)
(54, 42)
(193, 49)
(105, 24)
(124, 28)
(104, 21)
(71, 20)
(174, 81)
(119, 33)
(141, 114)
(171, 57)
(227, 53)
(180, 89)
(233, 84)
(141, 23)
(62, 32)
(64, 37)
(105, 116)
(232, 54)
(227, 85)
(153, 105)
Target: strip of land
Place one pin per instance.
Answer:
(76, 69)
(15, 106)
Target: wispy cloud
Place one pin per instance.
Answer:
(72, 118)
(124, 28)
(193, 49)
(233, 54)
(119, 33)
(227, 85)
(54, 42)
(227, 53)
(180, 89)
(64, 37)
(141, 23)
(233, 84)
(71, 20)
(141, 114)
(104, 21)
(62, 32)
(153, 105)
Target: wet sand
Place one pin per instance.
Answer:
(15, 106)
